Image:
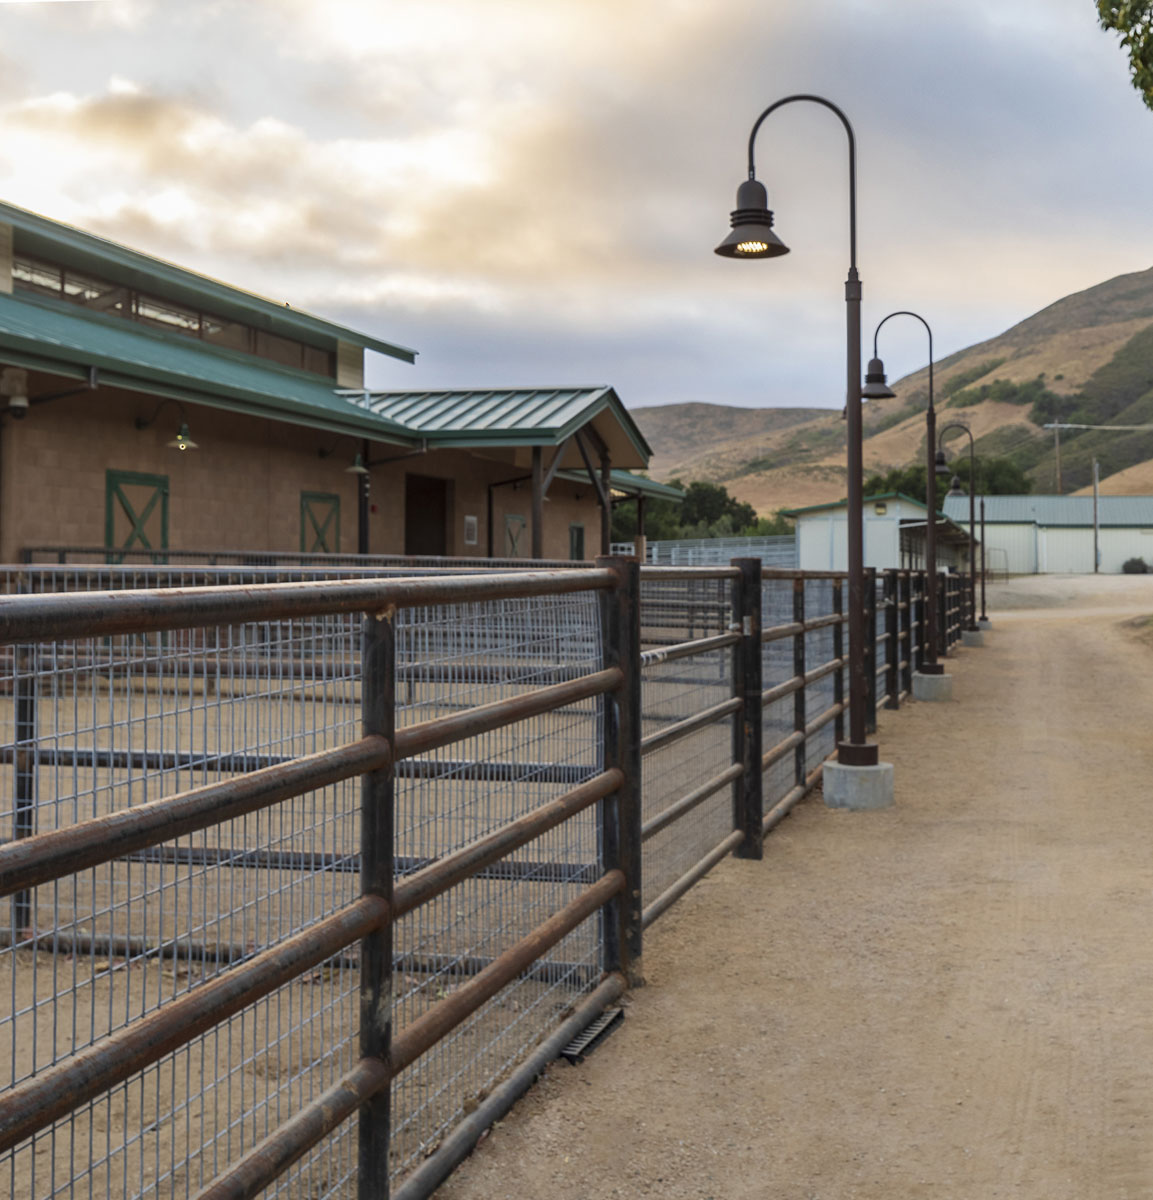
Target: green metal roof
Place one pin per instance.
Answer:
(506, 417)
(42, 335)
(634, 485)
(796, 512)
(37, 235)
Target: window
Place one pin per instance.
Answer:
(576, 542)
(101, 295)
(470, 531)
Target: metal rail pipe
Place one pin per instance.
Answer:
(687, 803)
(651, 658)
(59, 1089)
(447, 1014)
(59, 852)
(676, 890)
(708, 716)
(439, 876)
(54, 616)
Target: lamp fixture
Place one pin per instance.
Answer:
(752, 234)
(14, 385)
(941, 467)
(357, 467)
(183, 439)
(876, 387)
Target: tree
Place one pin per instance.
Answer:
(707, 511)
(1133, 20)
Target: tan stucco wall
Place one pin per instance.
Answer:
(241, 490)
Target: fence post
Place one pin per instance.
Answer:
(871, 650)
(905, 590)
(378, 715)
(799, 754)
(748, 685)
(917, 595)
(942, 586)
(839, 652)
(892, 641)
(24, 762)
(620, 813)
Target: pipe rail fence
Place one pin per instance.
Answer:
(309, 880)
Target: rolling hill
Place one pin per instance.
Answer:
(1086, 358)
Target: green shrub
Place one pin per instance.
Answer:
(1135, 566)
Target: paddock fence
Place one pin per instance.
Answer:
(308, 879)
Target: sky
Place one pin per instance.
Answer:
(528, 192)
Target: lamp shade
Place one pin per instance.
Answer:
(875, 386)
(357, 468)
(955, 488)
(182, 440)
(940, 465)
(752, 234)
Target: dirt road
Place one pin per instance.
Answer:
(953, 997)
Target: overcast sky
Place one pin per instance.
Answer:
(528, 192)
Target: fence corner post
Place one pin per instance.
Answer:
(620, 812)
(378, 714)
(748, 687)
(870, 649)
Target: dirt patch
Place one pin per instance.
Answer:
(947, 998)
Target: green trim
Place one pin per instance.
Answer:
(319, 530)
(39, 236)
(114, 499)
(796, 512)
(514, 526)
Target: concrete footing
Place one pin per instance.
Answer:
(932, 687)
(984, 623)
(858, 788)
(972, 637)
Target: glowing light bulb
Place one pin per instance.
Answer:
(752, 247)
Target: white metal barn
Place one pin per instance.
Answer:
(894, 535)
(1053, 535)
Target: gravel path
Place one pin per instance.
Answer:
(953, 997)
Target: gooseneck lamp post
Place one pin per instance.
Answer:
(877, 389)
(984, 565)
(972, 626)
(752, 237)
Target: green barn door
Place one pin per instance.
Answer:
(319, 523)
(135, 514)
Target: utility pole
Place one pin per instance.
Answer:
(1096, 520)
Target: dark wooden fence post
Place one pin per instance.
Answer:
(748, 685)
(905, 591)
(799, 754)
(942, 586)
(24, 763)
(871, 649)
(378, 712)
(917, 589)
(620, 813)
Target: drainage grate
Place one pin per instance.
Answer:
(592, 1035)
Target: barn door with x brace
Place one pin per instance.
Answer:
(135, 514)
(319, 523)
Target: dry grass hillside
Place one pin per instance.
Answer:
(783, 458)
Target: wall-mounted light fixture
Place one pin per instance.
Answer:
(183, 439)
(14, 385)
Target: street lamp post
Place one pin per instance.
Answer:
(752, 237)
(877, 389)
(984, 566)
(972, 627)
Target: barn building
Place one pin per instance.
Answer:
(1027, 535)
(894, 535)
(146, 408)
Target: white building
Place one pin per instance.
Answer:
(1053, 535)
(894, 535)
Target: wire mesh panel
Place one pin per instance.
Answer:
(674, 612)
(102, 725)
(462, 656)
(98, 726)
(778, 716)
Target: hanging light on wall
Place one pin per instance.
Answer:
(183, 439)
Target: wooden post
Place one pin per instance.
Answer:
(607, 504)
(799, 721)
(892, 644)
(537, 503)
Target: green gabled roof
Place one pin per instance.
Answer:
(796, 512)
(82, 251)
(504, 417)
(638, 485)
(45, 336)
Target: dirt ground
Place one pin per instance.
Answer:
(952, 997)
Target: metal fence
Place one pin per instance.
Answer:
(715, 552)
(286, 855)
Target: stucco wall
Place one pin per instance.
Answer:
(241, 490)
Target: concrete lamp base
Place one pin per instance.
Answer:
(932, 687)
(984, 623)
(972, 637)
(858, 788)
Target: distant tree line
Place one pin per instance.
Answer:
(997, 476)
(708, 511)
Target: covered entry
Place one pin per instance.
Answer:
(426, 509)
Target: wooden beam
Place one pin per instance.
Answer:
(555, 464)
(537, 503)
(607, 509)
(603, 495)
